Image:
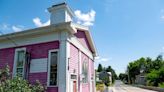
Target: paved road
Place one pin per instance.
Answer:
(120, 87)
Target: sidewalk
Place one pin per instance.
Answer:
(108, 89)
(150, 88)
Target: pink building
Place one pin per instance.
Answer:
(60, 56)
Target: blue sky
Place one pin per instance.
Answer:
(123, 30)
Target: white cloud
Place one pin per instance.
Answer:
(162, 17)
(162, 49)
(17, 28)
(162, 14)
(102, 59)
(7, 28)
(4, 27)
(97, 58)
(46, 11)
(86, 19)
(38, 23)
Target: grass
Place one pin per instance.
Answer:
(161, 85)
(100, 87)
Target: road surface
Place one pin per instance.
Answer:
(120, 87)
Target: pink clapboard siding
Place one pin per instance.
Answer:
(37, 51)
(73, 64)
(52, 89)
(83, 39)
(74, 58)
(91, 67)
(85, 86)
(42, 77)
(7, 58)
(41, 50)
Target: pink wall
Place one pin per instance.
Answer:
(74, 58)
(85, 86)
(91, 67)
(83, 39)
(7, 58)
(41, 51)
(73, 64)
(52, 89)
(42, 77)
(37, 51)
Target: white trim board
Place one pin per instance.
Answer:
(63, 62)
(33, 39)
(38, 65)
(77, 44)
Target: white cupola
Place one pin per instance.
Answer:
(60, 13)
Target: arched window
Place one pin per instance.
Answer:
(85, 71)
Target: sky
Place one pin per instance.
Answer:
(123, 30)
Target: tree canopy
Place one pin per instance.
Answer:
(153, 69)
(100, 68)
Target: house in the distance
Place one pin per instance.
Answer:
(104, 76)
(60, 56)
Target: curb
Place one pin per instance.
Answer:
(151, 88)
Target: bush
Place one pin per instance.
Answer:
(99, 86)
(161, 85)
(17, 84)
(156, 77)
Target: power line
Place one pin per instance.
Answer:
(9, 39)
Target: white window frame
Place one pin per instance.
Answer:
(49, 62)
(15, 61)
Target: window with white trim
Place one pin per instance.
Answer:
(85, 71)
(53, 68)
(20, 62)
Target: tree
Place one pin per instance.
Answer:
(157, 64)
(123, 77)
(100, 68)
(156, 77)
(153, 69)
(114, 75)
(133, 70)
(153, 78)
(17, 84)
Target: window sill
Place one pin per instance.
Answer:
(52, 86)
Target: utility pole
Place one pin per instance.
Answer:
(128, 75)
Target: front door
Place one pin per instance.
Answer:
(74, 86)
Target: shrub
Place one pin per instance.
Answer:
(161, 85)
(17, 84)
(99, 86)
(156, 77)
(153, 78)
